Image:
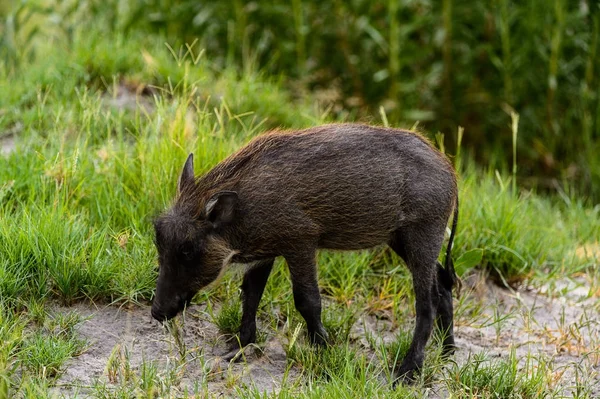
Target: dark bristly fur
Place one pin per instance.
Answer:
(288, 193)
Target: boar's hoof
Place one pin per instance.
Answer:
(233, 354)
(319, 339)
(448, 350)
(237, 354)
(405, 376)
(237, 342)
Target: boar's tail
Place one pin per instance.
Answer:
(449, 265)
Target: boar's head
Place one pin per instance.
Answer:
(191, 250)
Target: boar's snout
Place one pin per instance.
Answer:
(164, 312)
(159, 315)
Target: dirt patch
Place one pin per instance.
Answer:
(559, 333)
(7, 138)
(132, 336)
(590, 250)
(128, 96)
(7, 145)
(556, 327)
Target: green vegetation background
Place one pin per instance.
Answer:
(444, 63)
(78, 194)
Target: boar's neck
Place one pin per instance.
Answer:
(226, 174)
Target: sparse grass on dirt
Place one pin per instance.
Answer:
(101, 128)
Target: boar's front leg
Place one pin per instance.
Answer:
(253, 287)
(303, 270)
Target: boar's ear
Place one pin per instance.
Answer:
(220, 208)
(187, 174)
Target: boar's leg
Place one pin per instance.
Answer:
(303, 270)
(253, 286)
(444, 320)
(419, 246)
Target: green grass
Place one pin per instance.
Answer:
(78, 195)
(230, 317)
(522, 234)
(504, 378)
(445, 65)
(35, 347)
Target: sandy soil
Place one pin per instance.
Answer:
(7, 145)
(564, 331)
(7, 138)
(132, 334)
(129, 96)
(558, 324)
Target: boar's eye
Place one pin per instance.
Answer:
(187, 250)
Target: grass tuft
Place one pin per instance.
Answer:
(481, 376)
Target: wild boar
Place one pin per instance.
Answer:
(289, 193)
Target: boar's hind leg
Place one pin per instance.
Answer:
(419, 247)
(303, 270)
(444, 320)
(253, 286)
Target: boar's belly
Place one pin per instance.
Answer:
(351, 241)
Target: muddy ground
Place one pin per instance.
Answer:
(563, 331)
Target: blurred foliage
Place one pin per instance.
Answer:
(444, 63)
